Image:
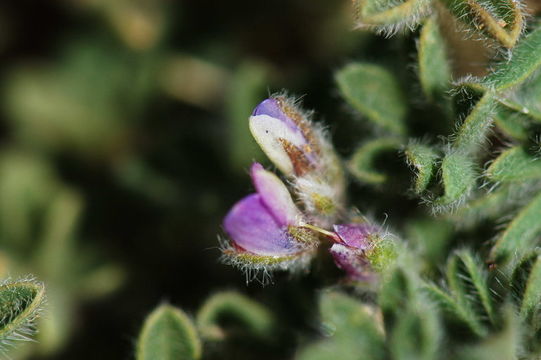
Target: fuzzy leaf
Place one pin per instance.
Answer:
(514, 164)
(525, 99)
(526, 58)
(458, 312)
(502, 20)
(20, 305)
(473, 131)
(467, 279)
(354, 329)
(362, 163)
(168, 334)
(503, 345)
(458, 177)
(423, 159)
(531, 298)
(431, 238)
(410, 320)
(513, 124)
(416, 334)
(521, 234)
(255, 318)
(341, 312)
(375, 93)
(434, 70)
(389, 17)
(488, 206)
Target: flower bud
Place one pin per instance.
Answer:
(362, 251)
(285, 135)
(301, 151)
(264, 228)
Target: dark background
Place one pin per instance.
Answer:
(154, 164)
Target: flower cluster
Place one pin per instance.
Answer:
(269, 231)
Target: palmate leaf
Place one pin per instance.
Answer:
(168, 334)
(389, 16)
(502, 20)
(251, 316)
(375, 93)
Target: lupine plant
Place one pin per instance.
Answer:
(456, 277)
(423, 241)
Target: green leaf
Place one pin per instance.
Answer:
(388, 16)
(521, 234)
(411, 321)
(168, 334)
(531, 298)
(353, 328)
(503, 345)
(362, 162)
(343, 313)
(502, 20)
(457, 311)
(434, 69)
(525, 59)
(416, 335)
(247, 87)
(252, 317)
(431, 238)
(375, 93)
(473, 131)
(512, 123)
(467, 279)
(468, 299)
(20, 305)
(521, 270)
(423, 159)
(458, 177)
(490, 205)
(525, 99)
(514, 164)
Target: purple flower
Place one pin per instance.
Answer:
(361, 250)
(267, 224)
(301, 151)
(285, 135)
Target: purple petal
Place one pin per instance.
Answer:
(355, 235)
(273, 130)
(275, 196)
(351, 261)
(270, 107)
(251, 227)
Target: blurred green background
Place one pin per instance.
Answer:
(124, 141)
